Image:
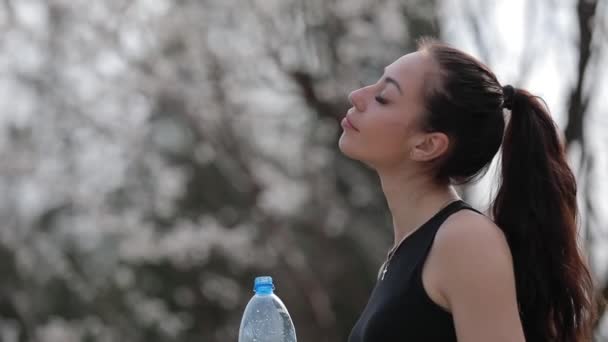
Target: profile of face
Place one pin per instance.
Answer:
(384, 128)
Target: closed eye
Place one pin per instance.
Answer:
(381, 100)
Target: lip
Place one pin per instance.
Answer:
(346, 123)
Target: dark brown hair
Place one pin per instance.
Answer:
(536, 203)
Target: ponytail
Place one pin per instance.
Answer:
(536, 208)
(536, 203)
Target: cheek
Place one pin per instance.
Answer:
(383, 139)
(387, 138)
(386, 141)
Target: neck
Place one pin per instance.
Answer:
(413, 198)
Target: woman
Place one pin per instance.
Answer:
(434, 119)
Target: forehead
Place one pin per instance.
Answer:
(411, 71)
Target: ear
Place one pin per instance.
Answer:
(430, 146)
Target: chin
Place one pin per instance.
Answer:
(346, 146)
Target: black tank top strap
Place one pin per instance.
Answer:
(417, 284)
(435, 223)
(399, 309)
(430, 228)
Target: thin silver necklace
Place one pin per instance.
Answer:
(390, 254)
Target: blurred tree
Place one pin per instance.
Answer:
(179, 149)
(159, 155)
(578, 109)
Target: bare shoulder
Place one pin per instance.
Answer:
(477, 278)
(471, 229)
(472, 251)
(464, 241)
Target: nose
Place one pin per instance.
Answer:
(357, 99)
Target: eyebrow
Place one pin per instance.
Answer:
(391, 80)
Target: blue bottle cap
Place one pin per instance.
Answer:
(263, 285)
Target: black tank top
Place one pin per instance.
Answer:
(399, 309)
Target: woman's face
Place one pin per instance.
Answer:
(385, 120)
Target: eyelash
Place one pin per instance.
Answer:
(381, 100)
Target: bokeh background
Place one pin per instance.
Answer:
(157, 155)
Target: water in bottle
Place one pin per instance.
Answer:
(266, 319)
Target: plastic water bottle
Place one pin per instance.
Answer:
(265, 318)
